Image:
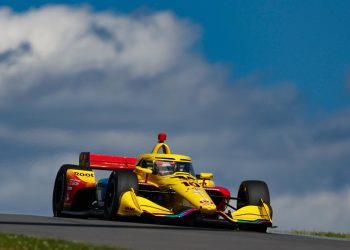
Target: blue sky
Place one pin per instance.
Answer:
(249, 89)
(305, 42)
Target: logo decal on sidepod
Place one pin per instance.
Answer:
(86, 176)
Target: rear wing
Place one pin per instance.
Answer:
(106, 162)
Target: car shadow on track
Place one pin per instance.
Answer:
(128, 223)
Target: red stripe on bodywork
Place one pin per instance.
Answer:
(224, 191)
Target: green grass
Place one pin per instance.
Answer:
(322, 234)
(20, 242)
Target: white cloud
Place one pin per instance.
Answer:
(65, 40)
(322, 210)
(73, 80)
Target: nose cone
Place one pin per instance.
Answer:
(208, 209)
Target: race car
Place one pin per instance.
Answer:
(157, 184)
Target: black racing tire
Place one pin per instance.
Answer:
(251, 192)
(60, 189)
(119, 182)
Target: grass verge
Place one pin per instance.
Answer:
(322, 234)
(20, 242)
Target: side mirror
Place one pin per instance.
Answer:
(143, 170)
(206, 176)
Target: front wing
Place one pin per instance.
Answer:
(132, 205)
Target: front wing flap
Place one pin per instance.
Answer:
(251, 214)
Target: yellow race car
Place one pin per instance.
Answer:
(156, 184)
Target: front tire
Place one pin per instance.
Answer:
(251, 193)
(119, 182)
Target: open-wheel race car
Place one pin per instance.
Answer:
(157, 184)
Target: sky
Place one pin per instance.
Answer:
(249, 89)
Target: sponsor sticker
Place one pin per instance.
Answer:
(86, 176)
(205, 202)
(73, 182)
(129, 209)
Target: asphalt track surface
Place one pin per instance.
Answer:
(135, 235)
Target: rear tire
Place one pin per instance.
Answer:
(60, 189)
(119, 182)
